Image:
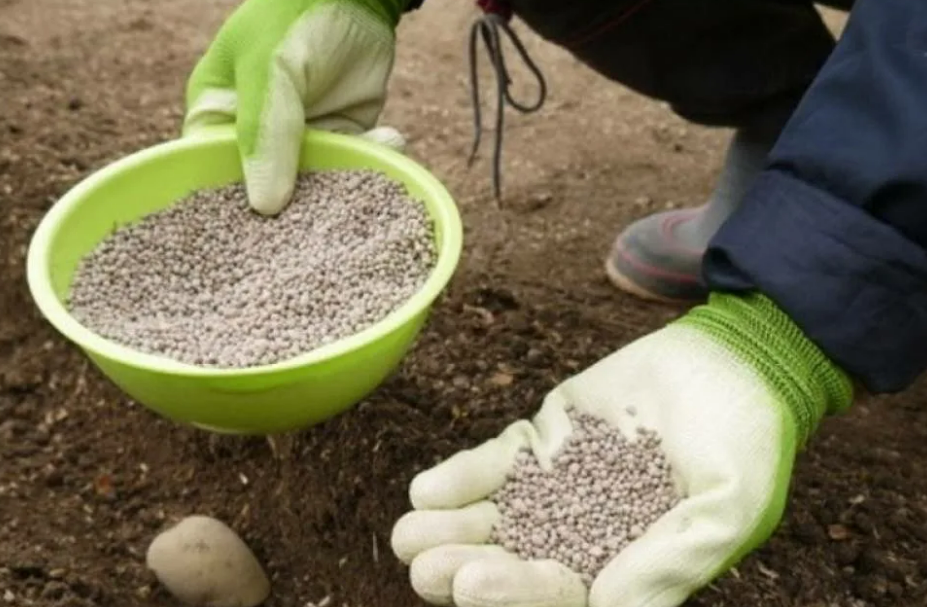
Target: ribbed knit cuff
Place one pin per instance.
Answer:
(760, 334)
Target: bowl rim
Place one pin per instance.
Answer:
(445, 214)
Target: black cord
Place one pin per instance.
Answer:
(488, 26)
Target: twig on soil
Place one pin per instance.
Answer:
(243, 515)
(325, 602)
(81, 383)
(376, 548)
(273, 447)
(485, 315)
(767, 571)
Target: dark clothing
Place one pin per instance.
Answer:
(715, 62)
(835, 230)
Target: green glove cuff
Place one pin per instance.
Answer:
(764, 337)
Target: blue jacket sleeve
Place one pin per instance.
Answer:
(835, 230)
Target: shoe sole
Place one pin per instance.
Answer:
(624, 283)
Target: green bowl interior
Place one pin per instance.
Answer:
(155, 178)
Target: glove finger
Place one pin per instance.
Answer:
(270, 125)
(517, 583)
(432, 572)
(474, 474)
(422, 530)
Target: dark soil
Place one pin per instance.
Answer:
(88, 478)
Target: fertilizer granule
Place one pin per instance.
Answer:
(604, 492)
(211, 283)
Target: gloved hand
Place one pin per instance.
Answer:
(277, 65)
(733, 388)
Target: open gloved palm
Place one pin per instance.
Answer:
(734, 390)
(277, 66)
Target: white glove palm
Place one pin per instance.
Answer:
(278, 65)
(733, 389)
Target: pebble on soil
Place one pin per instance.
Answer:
(204, 563)
(603, 492)
(210, 282)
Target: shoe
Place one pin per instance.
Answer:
(648, 261)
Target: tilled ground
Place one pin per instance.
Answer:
(87, 478)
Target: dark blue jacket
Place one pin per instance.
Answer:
(835, 230)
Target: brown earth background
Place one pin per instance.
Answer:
(87, 478)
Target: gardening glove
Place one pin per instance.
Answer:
(733, 388)
(277, 66)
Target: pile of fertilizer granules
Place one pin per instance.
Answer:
(603, 493)
(210, 282)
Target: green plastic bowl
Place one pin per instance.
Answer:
(285, 396)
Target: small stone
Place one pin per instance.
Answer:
(202, 562)
(501, 379)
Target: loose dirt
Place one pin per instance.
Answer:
(88, 478)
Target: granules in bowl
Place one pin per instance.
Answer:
(209, 282)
